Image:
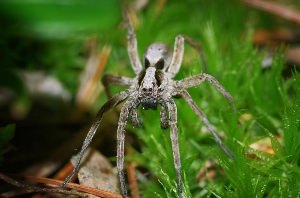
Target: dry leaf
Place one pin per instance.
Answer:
(97, 172)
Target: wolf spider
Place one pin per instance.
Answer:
(153, 85)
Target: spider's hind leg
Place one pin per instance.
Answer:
(202, 116)
(198, 79)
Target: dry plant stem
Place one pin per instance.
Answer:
(77, 187)
(160, 4)
(64, 172)
(131, 175)
(31, 188)
(89, 87)
(197, 47)
(14, 193)
(276, 9)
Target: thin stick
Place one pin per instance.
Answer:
(64, 172)
(31, 188)
(131, 175)
(276, 9)
(78, 187)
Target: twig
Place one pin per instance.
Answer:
(77, 187)
(31, 188)
(89, 81)
(131, 175)
(276, 9)
(64, 172)
(160, 4)
(14, 193)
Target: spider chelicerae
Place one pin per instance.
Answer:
(153, 85)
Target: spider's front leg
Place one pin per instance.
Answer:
(132, 44)
(177, 56)
(178, 52)
(175, 145)
(108, 105)
(129, 104)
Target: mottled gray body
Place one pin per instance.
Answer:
(148, 90)
(153, 86)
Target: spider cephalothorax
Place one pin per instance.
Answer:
(148, 88)
(153, 85)
(156, 59)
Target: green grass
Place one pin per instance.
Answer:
(225, 31)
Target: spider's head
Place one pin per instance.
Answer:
(157, 55)
(148, 88)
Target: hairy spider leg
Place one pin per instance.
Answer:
(175, 145)
(108, 105)
(129, 104)
(177, 56)
(198, 79)
(109, 79)
(202, 116)
(132, 44)
(179, 51)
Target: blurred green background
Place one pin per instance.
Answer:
(53, 54)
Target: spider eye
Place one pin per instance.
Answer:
(147, 63)
(160, 64)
